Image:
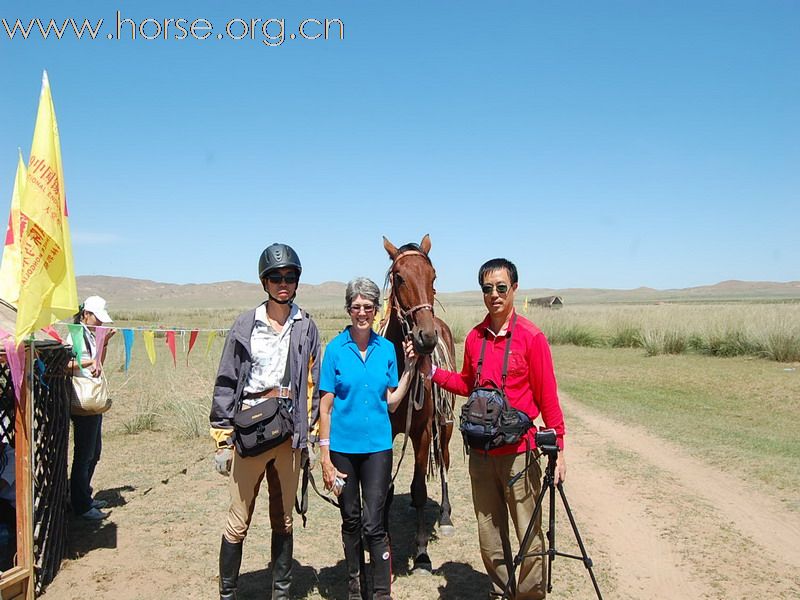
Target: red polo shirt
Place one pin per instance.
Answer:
(530, 381)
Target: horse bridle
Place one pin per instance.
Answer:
(406, 316)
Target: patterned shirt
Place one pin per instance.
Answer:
(269, 350)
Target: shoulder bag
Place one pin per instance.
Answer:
(487, 419)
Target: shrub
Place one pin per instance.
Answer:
(626, 336)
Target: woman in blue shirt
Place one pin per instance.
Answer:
(358, 388)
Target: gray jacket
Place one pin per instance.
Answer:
(234, 368)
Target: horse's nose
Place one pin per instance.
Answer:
(425, 341)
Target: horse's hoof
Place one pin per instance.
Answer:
(447, 530)
(422, 565)
(422, 570)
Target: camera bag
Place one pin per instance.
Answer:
(487, 419)
(265, 425)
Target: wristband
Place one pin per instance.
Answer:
(325, 442)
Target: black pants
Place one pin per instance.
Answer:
(87, 437)
(368, 479)
(8, 519)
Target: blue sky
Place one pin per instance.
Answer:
(595, 144)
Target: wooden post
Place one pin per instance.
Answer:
(18, 583)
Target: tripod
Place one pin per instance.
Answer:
(548, 485)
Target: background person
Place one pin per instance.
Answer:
(251, 367)
(359, 386)
(8, 506)
(87, 429)
(530, 387)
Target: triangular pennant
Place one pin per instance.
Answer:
(192, 340)
(127, 336)
(76, 334)
(149, 345)
(100, 334)
(212, 335)
(170, 339)
(15, 355)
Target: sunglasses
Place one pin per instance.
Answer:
(357, 308)
(278, 278)
(488, 288)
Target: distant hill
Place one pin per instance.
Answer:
(126, 293)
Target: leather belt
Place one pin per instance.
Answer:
(276, 392)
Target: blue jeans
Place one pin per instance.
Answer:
(87, 437)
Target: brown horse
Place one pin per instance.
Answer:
(425, 415)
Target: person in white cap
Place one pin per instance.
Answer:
(87, 429)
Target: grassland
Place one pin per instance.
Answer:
(738, 412)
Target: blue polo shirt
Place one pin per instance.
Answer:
(360, 417)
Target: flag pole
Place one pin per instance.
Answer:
(31, 499)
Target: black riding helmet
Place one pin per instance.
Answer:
(277, 256)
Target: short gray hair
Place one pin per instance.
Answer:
(364, 287)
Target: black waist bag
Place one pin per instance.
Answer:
(487, 421)
(262, 427)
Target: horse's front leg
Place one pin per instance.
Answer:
(419, 497)
(446, 527)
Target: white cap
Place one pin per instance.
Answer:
(97, 306)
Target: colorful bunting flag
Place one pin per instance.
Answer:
(127, 336)
(76, 335)
(149, 345)
(170, 339)
(48, 291)
(212, 335)
(192, 340)
(15, 355)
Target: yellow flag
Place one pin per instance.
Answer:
(10, 267)
(212, 335)
(48, 291)
(149, 345)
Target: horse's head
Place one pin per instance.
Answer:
(411, 276)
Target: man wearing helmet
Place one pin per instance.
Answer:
(265, 345)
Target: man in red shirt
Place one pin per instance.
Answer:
(530, 386)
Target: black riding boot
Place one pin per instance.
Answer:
(356, 566)
(380, 561)
(282, 546)
(230, 559)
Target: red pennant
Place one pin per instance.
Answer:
(171, 343)
(53, 333)
(192, 340)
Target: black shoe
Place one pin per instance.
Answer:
(282, 547)
(230, 560)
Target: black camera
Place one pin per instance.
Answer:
(546, 441)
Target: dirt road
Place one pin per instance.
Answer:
(657, 522)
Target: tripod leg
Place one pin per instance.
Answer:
(587, 562)
(551, 537)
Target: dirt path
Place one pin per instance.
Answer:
(657, 522)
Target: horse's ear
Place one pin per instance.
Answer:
(390, 248)
(425, 244)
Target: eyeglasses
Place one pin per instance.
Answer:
(278, 278)
(488, 288)
(357, 308)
